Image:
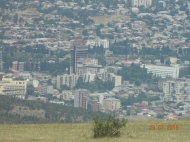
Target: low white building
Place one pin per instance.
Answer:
(163, 71)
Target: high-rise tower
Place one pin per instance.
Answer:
(78, 50)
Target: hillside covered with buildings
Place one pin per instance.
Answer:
(125, 57)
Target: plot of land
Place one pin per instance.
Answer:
(106, 19)
(133, 132)
(32, 13)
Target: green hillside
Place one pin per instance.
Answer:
(133, 132)
(14, 111)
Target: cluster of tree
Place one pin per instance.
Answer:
(96, 50)
(141, 97)
(55, 68)
(53, 112)
(39, 48)
(185, 72)
(137, 74)
(101, 60)
(96, 85)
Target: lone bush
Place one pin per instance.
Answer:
(107, 127)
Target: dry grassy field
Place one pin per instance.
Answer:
(133, 132)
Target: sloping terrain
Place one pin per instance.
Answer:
(13, 110)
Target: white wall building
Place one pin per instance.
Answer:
(88, 77)
(137, 3)
(67, 79)
(35, 83)
(104, 43)
(164, 71)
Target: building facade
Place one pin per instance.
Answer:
(164, 71)
(105, 76)
(137, 3)
(67, 79)
(78, 50)
(111, 104)
(88, 77)
(81, 98)
(176, 90)
(11, 87)
(103, 43)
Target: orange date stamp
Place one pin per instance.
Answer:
(163, 127)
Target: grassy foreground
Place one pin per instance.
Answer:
(133, 132)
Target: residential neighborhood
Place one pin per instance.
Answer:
(125, 57)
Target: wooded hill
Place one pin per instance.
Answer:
(14, 110)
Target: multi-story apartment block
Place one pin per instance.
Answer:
(81, 98)
(65, 95)
(85, 65)
(176, 90)
(17, 66)
(17, 88)
(43, 89)
(111, 104)
(116, 79)
(105, 76)
(164, 71)
(67, 79)
(137, 3)
(21, 66)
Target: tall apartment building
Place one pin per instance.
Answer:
(81, 98)
(78, 50)
(137, 3)
(17, 88)
(176, 90)
(111, 104)
(21, 66)
(43, 89)
(164, 71)
(1, 60)
(116, 79)
(67, 79)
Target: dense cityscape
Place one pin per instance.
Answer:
(130, 58)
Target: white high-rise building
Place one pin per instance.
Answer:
(137, 3)
(164, 71)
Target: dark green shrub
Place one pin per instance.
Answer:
(107, 127)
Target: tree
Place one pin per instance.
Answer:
(98, 32)
(30, 90)
(85, 32)
(168, 62)
(64, 87)
(15, 19)
(162, 59)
